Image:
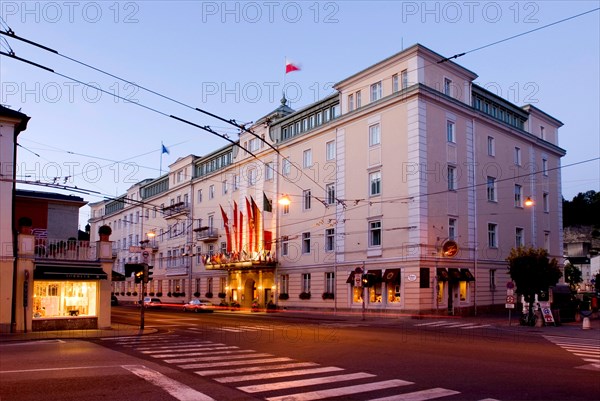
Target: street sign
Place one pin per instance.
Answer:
(547, 312)
(510, 292)
(510, 299)
(510, 285)
(357, 280)
(135, 249)
(510, 306)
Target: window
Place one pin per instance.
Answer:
(546, 202)
(350, 102)
(62, 298)
(307, 158)
(491, 146)
(225, 187)
(517, 156)
(211, 192)
(452, 228)
(545, 167)
(492, 279)
(374, 135)
(306, 283)
(286, 209)
(450, 132)
(285, 283)
(358, 99)
(451, 178)
(404, 78)
(286, 166)
(375, 183)
(330, 239)
(542, 132)
(518, 196)
(491, 189)
(547, 240)
(252, 173)
(253, 144)
(492, 235)
(269, 171)
(519, 239)
(375, 233)
(285, 244)
(330, 194)
(376, 91)
(236, 182)
(395, 83)
(330, 150)
(209, 284)
(447, 86)
(305, 242)
(306, 199)
(330, 282)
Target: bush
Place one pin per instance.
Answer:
(159, 294)
(197, 294)
(328, 295)
(208, 295)
(169, 294)
(304, 295)
(221, 295)
(128, 293)
(284, 296)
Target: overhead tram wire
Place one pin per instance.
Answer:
(232, 122)
(205, 128)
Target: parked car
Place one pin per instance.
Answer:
(113, 300)
(152, 303)
(199, 305)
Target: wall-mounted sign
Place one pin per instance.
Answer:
(411, 277)
(450, 248)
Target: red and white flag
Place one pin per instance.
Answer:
(291, 66)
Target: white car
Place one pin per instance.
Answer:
(199, 305)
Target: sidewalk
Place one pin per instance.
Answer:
(117, 330)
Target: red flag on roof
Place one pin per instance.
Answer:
(291, 66)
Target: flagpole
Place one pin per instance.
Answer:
(284, 75)
(161, 153)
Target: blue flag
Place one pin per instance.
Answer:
(164, 149)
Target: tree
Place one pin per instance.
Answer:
(597, 282)
(533, 272)
(582, 210)
(573, 276)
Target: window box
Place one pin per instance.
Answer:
(328, 295)
(284, 296)
(304, 295)
(208, 295)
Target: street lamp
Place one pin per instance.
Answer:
(284, 200)
(529, 202)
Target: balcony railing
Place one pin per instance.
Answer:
(176, 209)
(64, 249)
(207, 234)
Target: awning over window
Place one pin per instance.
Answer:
(453, 275)
(465, 275)
(391, 276)
(61, 272)
(350, 278)
(377, 274)
(442, 274)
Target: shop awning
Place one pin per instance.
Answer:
(465, 275)
(350, 278)
(442, 274)
(377, 274)
(391, 276)
(116, 276)
(61, 272)
(453, 275)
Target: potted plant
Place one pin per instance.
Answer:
(208, 295)
(197, 294)
(104, 232)
(304, 295)
(25, 224)
(283, 296)
(255, 305)
(328, 295)
(221, 295)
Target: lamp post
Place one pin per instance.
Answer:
(531, 204)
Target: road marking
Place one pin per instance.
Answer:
(460, 325)
(215, 358)
(341, 391)
(58, 369)
(255, 369)
(257, 388)
(587, 349)
(272, 375)
(173, 387)
(420, 395)
(480, 326)
(212, 351)
(184, 344)
(33, 343)
(230, 363)
(433, 323)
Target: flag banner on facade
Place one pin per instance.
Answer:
(227, 233)
(291, 66)
(250, 226)
(236, 244)
(256, 217)
(267, 205)
(240, 232)
(164, 149)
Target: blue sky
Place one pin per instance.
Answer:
(228, 58)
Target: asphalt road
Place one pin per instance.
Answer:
(229, 356)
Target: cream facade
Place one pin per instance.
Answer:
(410, 172)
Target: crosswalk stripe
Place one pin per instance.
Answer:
(435, 324)
(239, 351)
(422, 395)
(480, 326)
(586, 354)
(230, 363)
(592, 360)
(428, 323)
(341, 391)
(215, 372)
(257, 388)
(189, 351)
(460, 325)
(185, 344)
(272, 375)
(215, 358)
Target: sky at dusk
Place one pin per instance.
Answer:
(229, 58)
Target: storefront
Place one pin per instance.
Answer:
(66, 297)
(453, 289)
(384, 289)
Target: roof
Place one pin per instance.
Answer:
(49, 196)
(17, 115)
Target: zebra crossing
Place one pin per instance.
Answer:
(453, 325)
(268, 376)
(586, 349)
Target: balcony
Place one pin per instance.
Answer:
(55, 249)
(177, 209)
(207, 234)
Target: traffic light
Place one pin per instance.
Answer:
(148, 273)
(136, 269)
(139, 276)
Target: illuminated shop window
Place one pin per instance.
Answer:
(64, 299)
